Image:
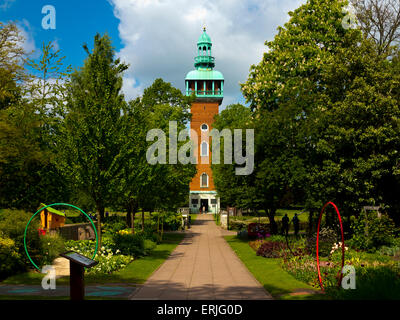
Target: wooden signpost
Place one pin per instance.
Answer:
(77, 263)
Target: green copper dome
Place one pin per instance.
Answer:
(204, 75)
(204, 38)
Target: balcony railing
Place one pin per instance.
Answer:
(206, 59)
(208, 93)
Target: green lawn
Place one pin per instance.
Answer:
(136, 272)
(303, 217)
(269, 273)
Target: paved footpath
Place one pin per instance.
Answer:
(203, 266)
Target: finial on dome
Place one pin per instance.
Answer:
(204, 28)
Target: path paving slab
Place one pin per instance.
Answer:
(203, 266)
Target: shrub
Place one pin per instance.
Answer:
(108, 261)
(12, 225)
(172, 221)
(135, 245)
(390, 251)
(51, 247)
(371, 232)
(327, 238)
(242, 234)
(256, 244)
(149, 245)
(238, 225)
(114, 224)
(371, 283)
(10, 259)
(271, 249)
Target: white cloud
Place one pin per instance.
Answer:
(28, 45)
(5, 4)
(160, 36)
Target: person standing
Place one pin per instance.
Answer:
(296, 224)
(285, 225)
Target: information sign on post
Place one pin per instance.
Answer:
(77, 265)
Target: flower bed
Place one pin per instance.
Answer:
(108, 260)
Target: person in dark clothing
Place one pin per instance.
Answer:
(296, 224)
(285, 225)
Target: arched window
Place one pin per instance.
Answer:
(204, 180)
(204, 127)
(204, 149)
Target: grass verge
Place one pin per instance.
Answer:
(268, 272)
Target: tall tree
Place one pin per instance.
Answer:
(95, 130)
(234, 190)
(28, 172)
(154, 186)
(358, 132)
(284, 90)
(380, 21)
(12, 59)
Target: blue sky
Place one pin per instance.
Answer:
(77, 22)
(157, 38)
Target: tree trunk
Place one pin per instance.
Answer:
(102, 212)
(128, 218)
(272, 222)
(99, 210)
(133, 221)
(162, 227)
(310, 221)
(142, 220)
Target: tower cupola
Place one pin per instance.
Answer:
(204, 59)
(204, 81)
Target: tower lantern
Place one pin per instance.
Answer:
(207, 85)
(204, 81)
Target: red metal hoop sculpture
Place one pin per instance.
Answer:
(341, 229)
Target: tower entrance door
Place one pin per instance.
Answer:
(204, 205)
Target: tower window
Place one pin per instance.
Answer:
(204, 127)
(204, 180)
(204, 149)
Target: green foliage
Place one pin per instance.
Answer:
(94, 135)
(271, 249)
(42, 249)
(371, 232)
(10, 259)
(130, 244)
(326, 108)
(28, 170)
(390, 251)
(172, 221)
(11, 64)
(234, 190)
(327, 238)
(12, 225)
(114, 224)
(108, 260)
(381, 283)
(51, 247)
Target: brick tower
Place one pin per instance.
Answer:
(208, 86)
